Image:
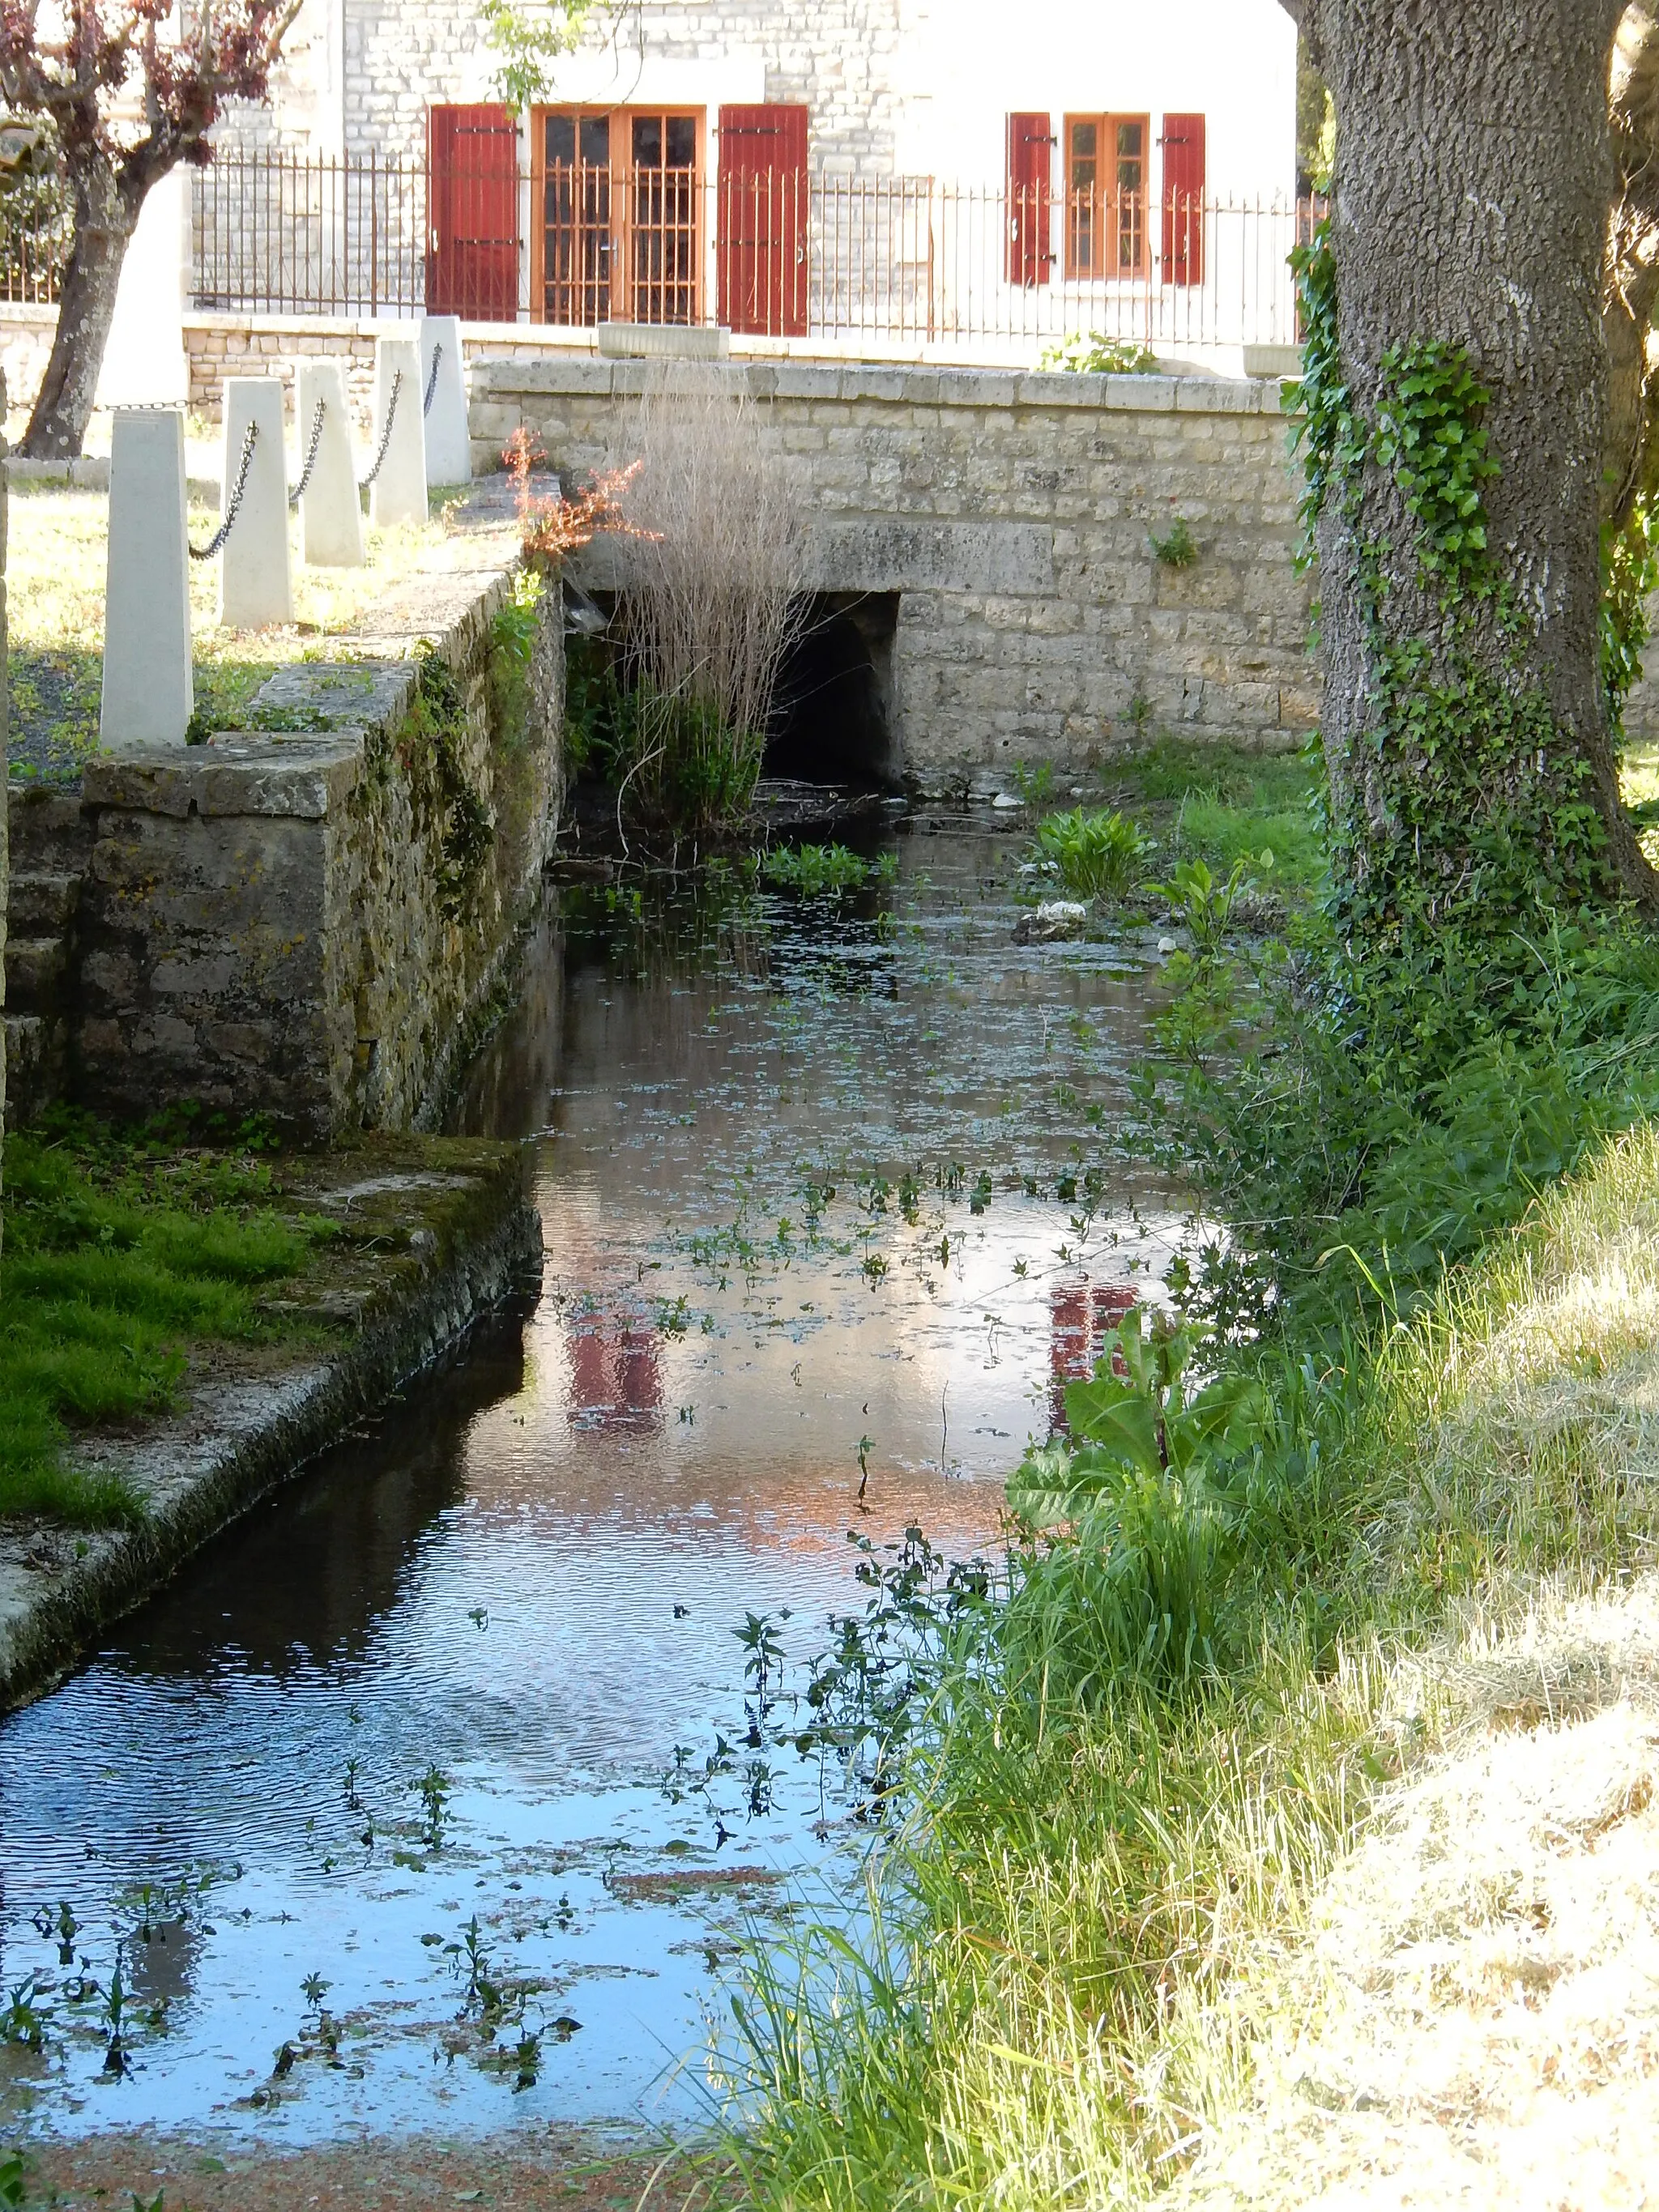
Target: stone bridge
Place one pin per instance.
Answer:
(981, 555)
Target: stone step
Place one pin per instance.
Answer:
(34, 968)
(49, 834)
(40, 903)
(33, 1065)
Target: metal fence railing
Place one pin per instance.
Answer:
(781, 254)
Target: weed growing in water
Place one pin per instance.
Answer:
(762, 1652)
(25, 2020)
(434, 1789)
(1204, 902)
(1094, 854)
(814, 870)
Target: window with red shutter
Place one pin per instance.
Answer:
(472, 249)
(1183, 199)
(1030, 142)
(763, 219)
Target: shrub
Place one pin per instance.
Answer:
(1097, 355)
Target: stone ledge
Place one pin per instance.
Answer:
(478, 1243)
(892, 384)
(305, 775)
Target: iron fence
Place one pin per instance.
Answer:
(837, 259)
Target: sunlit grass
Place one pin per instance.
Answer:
(55, 576)
(1116, 1940)
(119, 1256)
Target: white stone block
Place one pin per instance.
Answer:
(399, 492)
(256, 582)
(148, 691)
(448, 440)
(330, 507)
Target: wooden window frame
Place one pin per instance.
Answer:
(1091, 262)
(618, 289)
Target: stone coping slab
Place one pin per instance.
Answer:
(897, 384)
(438, 1232)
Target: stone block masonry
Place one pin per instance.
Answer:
(313, 919)
(1013, 515)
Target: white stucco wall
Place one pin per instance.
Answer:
(917, 86)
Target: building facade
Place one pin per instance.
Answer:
(936, 167)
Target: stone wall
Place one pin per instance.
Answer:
(1013, 515)
(313, 920)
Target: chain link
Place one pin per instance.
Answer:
(233, 508)
(298, 492)
(363, 483)
(432, 380)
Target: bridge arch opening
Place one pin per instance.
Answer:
(833, 718)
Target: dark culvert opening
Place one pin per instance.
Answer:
(832, 721)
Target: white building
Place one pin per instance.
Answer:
(863, 172)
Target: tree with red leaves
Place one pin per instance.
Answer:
(130, 88)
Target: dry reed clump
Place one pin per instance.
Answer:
(713, 596)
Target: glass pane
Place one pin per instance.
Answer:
(559, 138)
(596, 139)
(1131, 139)
(647, 142)
(681, 142)
(1084, 141)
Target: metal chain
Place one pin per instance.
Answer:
(363, 483)
(432, 381)
(298, 492)
(234, 506)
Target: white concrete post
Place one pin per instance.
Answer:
(144, 363)
(399, 492)
(256, 578)
(448, 439)
(147, 690)
(330, 507)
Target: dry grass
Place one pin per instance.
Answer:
(714, 595)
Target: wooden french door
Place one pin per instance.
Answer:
(472, 238)
(761, 241)
(618, 227)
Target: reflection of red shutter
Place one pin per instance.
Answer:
(1183, 199)
(761, 249)
(472, 243)
(1030, 256)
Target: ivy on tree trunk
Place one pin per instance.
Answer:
(1458, 425)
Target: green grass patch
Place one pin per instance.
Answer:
(121, 1255)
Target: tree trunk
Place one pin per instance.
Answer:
(1471, 761)
(105, 219)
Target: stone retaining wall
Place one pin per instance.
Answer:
(1013, 515)
(313, 920)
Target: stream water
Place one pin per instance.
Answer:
(427, 1797)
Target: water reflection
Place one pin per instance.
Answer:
(812, 1191)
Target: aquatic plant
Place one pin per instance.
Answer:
(813, 870)
(1094, 854)
(1204, 902)
(434, 1789)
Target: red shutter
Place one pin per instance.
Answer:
(1183, 199)
(760, 245)
(1031, 257)
(472, 240)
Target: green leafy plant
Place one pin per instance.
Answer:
(1094, 355)
(1094, 854)
(813, 870)
(1180, 549)
(1203, 902)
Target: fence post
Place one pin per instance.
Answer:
(256, 581)
(449, 437)
(330, 507)
(398, 493)
(148, 691)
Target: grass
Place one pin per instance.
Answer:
(1222, 805)
(55, 590)
(121, 1258)
(1152, 1924)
